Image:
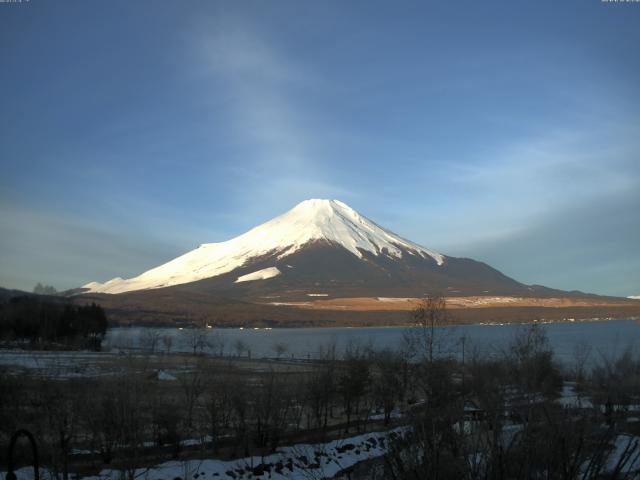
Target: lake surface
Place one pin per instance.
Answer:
(604, 338)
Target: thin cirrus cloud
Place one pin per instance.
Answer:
(553, 209)
(63, 250)
(256, 80)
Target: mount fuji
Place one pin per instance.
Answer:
(323, 264)
(326, 245)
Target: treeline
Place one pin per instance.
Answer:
(45, 322)
(41, 289)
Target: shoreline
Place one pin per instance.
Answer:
(399, 325)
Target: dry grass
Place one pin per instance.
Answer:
(394, 304)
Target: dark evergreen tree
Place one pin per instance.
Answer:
(39, 321)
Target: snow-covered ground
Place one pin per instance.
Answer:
(622, 454)
(570, 398)
(309, 461)
(67, 365)
(302, 461)
(311, 220)
(57, 364)
(165, 376)
(395, 414)
(487, 300)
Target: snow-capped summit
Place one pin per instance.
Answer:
(327, 221)
(333, 221)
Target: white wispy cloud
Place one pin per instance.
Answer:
(262, 86)
(513, 187)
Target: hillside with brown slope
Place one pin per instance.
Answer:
(366, 304)
(168, 307)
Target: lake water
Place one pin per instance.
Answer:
(605, 339)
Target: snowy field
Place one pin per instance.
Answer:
(62, 364)
(302, 461)
(68, 365)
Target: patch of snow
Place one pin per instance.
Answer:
(192, 442)
(166, 376)
(309, 221)
(465, 427)
(510, 431)
(394, 299)
(634, 297)
(490, 300)
(289, 304)
(55, 364)
(623, 455)
(569, 398)
(395, 413)
(79, 451)
(317, 294)
(263, 274)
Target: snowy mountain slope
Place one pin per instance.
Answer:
(263, 274)
(323, 267)
(312, 221)
(634, 297)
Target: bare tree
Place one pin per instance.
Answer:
(387, 382)
(240, 346)
(270, 410)
(192, 388)
(197, 338)
(240, 418)
(532, 365)
(63, 421)
(217, 344)
(616, 381)
(167, 341)
(218, 406)
(41, 289)
(165, 417)
(279, 348)
(129, 407)
(581, 354)
(321, 386)
(423, 339)
(150, 339)
(354, 381)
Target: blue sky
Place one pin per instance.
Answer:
(509, 132)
